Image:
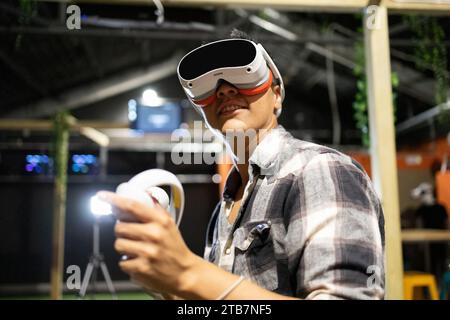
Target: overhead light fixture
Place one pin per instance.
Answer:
(150, 98)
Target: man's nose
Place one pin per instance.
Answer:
(226, 90)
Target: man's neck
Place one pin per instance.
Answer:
(243, 172)
(249, 148)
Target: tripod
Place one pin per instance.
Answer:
(96, 261)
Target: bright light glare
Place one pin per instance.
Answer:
(132, 111)
(100, 207)
(150, 98)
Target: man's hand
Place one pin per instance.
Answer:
(160, 261)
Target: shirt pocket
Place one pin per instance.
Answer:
(254, 247)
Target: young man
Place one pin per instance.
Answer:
(297, 220)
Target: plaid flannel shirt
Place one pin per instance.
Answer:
(310, 223)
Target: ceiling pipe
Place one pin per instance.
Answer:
(422, 117)
(99, 91)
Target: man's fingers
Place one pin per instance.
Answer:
(134, 266)
(129, 231)
(135, 248)
(138, 231)
(135, 208)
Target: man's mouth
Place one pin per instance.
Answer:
(229, 109)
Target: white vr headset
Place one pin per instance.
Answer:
(240, 62)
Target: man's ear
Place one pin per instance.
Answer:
(276, 89)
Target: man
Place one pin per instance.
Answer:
(297, 220)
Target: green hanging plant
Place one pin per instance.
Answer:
(360, 104)
(430, 52)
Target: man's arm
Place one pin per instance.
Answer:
(163, 263)
(335, 235)
(208, 281)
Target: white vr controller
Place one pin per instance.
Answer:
(145, 188)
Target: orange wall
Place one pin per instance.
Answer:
(420, 157)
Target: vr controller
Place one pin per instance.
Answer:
(145, 188)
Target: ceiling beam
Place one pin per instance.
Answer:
(297, 5)
(96, 136)
(344, 55)
(170, 34)
(47, 125)
(162, 34)
(421, 90)
(422, 117)
(98, 91)
(89, 129)
(431, 6)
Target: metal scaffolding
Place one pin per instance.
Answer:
(378, 70)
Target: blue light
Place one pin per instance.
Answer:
(132, 115)
(75, 168)
(38, 163)
(90, 159)
(83, 163)
(34, 159)
(78, 159)
(132, 105)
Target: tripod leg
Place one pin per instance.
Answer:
(108, 280)
(86, 278)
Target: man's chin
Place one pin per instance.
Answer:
(233, 124)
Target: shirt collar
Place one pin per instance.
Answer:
(267, 154)
(265, 160)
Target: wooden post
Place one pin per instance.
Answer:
(61, 126)
(382, 141)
